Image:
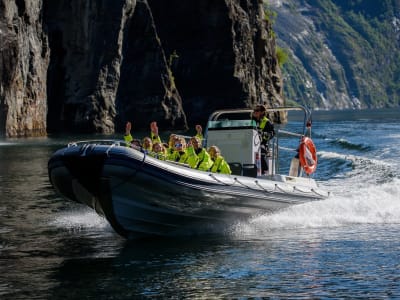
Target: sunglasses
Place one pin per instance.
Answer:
(178, 145)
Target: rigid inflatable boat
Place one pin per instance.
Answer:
(140, 195)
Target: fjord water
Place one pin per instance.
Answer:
(345, 247)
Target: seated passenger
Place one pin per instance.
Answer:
(179, 154)
(219, 163)
(147, 145)
(158, 151)
(171, 144)
(198, 156)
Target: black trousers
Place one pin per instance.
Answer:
(264, 159)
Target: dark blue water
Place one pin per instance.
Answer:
(344, 247)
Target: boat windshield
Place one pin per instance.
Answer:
(232, 124)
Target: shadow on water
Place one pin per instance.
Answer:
(212, 267)
(142, 268)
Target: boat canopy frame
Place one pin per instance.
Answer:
(237, 116)
(215, 116)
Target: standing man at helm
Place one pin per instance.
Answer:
(266, 131)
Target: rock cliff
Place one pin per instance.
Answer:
(342, 54)
(90, 66)
(24, 58)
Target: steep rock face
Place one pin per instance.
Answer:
(146, 91)
(84, 65)
(106, 60)
(93, 65)
(24, 58)
(221, 52)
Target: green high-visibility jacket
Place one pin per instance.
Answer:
(155, 138)
(159, 155)
(220, 166)
(128, 138)
(199, 159)
(178, 156)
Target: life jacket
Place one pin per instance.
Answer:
(266, 126)
(178, 156)
(199, 159)
(200, 137)
(128, 138)
(158, 155)
(155, 138)
(263, 122)
(220, 166)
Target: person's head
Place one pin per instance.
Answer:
(158, 147)
(171, 140)
(214, 152)
(147, 143)
(195, 142)
(179, 143)
(259, 111)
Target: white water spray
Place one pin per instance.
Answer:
(369, 205)
(80, 220)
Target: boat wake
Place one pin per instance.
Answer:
(345, 144)
(344, 173)
(365, 191)
(371, 204)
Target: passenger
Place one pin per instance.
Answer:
(154, 132)
(147, 145)
(171, 144)
(198, 156)
(266, 130)
(199, 133)
(128, 137)
(129, 140)
(179, 154)
(158, 151)
(219, 163)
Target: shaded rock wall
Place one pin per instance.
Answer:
(24, 57)
(226, 55)
(93, 65)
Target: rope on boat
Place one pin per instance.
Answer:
(109, 148)
(220, 181)
(319, 194)
(279, 188)
(301, 191)
(246, 186)
(265, 190)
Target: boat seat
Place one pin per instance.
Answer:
(236, 168)
(250, 170)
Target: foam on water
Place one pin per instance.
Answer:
(79, 219)
(366, 190)
(370, 204)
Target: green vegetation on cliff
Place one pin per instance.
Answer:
(343, 53)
